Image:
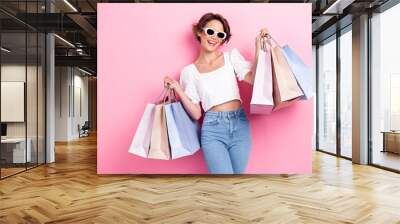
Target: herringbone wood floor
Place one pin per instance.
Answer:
(70, 191)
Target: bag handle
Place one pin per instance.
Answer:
(268, 39)
(168, 95)
(172, 95)
(263, 44)
(162, 97)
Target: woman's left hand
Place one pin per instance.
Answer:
(263, 33)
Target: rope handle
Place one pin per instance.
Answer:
(168, 95)
(267, 41)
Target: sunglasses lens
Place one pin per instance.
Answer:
(221, 35)
(210, 32)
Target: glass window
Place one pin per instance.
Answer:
(22, 92)
(385, 89)
(31, 101)
(327, 96)
(314, 77)
(346, 94)
(14, 153)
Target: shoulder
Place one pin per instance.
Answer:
(187, 73)
(236, 58)
(187, 69)
(233, 53)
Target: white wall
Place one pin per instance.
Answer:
(62, 81)
(17, 72)
(70, 83)
(80, 84)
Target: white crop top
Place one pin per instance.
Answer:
(217, 86)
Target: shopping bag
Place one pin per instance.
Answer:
(176, 146)
(278, 102)
(159, 142)
(288, 87)
(300, 70)
(182, 132)
(262, 101)
(285, 88)
(188, 129)
(141, 140)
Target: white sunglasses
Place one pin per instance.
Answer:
(212, 32)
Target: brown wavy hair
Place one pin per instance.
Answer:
(198, 27)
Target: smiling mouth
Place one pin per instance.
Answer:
(212, 43)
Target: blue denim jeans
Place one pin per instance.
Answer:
(226, 141)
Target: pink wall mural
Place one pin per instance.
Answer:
(139, 44)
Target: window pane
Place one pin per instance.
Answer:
(346, 93)
(314, 77)
(386, 89)
(31, 101)
(13, 86)
(327, 97)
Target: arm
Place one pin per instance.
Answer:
(249, 78)
(192, 108)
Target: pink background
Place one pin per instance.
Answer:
(138, 44)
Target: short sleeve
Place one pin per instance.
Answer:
(239, 63)
(189, 86)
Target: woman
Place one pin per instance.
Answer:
(225, 133)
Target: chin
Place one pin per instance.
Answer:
(211, 49)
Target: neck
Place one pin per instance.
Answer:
(207, 56)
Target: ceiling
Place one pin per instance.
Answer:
(76, 22)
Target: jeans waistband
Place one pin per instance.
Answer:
(233, 113)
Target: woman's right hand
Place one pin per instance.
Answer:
(173, 84)
(193, 109)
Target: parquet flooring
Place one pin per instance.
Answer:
(70, 191)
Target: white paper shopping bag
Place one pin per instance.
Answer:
(141, 141)
(262, 101)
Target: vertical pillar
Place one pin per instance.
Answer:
(50, 92)
(360, 89)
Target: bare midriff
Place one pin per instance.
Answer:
(227, 106)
